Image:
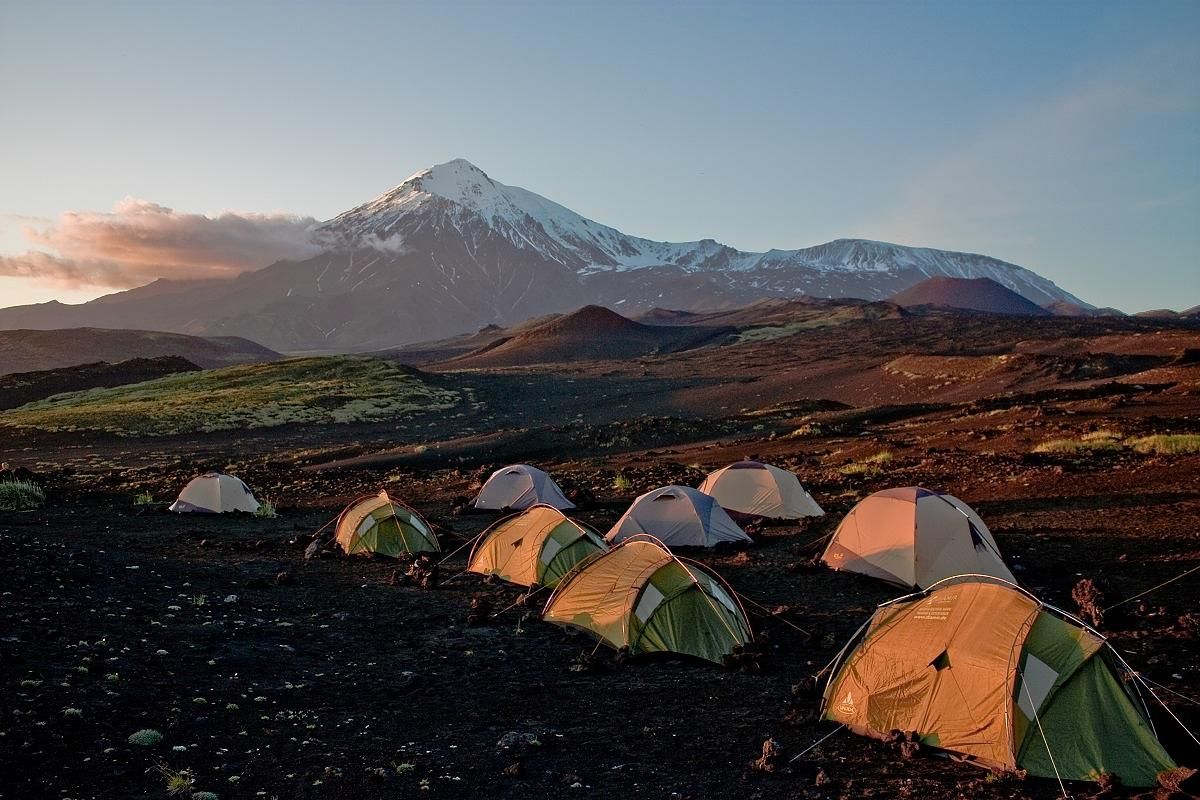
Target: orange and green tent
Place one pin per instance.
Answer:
(640, 596)
(977, 667)
(537, 546)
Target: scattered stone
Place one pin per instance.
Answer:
(908, 743)
(424, 571)
(519, 741)
(1092, 596)
(481, 610)
(771, 757)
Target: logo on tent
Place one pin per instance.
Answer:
(847, 706)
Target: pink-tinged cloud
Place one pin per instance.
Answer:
(139, 241)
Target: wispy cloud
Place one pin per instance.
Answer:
(139, 241)
(1037, 158)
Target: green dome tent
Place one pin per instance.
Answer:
(379, 524)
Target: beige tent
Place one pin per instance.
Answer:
(537, 546)
(638, 595)
(760, 490)
(518, 487)
(378, 524)
(982, 669)
(215, 493)
(678, 516)
(913, 537)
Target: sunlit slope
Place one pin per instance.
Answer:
(324, 390)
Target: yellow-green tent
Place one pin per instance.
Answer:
(537, 546)
(378, 524)
(641, 596)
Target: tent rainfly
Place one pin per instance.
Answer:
(378, 524)
(977, 667)
(640, 596)
(913, 537)
(678, 516)
(536, 546)
(215, 493)
(518, 487)
(755, 489)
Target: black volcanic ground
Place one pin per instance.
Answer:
(333, 678)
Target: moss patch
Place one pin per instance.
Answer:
(323, 390)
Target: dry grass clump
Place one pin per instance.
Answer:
(1097, 441)
(1109, 441)
(1168, 444)
(868, 466)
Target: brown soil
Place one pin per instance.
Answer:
(333, 678)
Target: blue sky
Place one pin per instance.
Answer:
(1061, 136)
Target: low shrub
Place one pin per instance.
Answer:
(146, 737)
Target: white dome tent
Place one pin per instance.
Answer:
(914, 537)
(755, 489)
(518, 487)
(678, 516)
(215, 493)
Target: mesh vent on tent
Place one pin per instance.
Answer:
(1037, 679)
(550, 550)
(651, 599)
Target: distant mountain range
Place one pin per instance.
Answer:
(450, 250)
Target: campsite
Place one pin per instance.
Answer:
(268, 674)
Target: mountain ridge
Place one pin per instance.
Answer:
(449, 250)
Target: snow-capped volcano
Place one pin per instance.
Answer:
(458, 192)
(450, 250)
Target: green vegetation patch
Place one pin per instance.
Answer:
(20, 496)
(805, 322)
(321, 390)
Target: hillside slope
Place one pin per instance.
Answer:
(592, 333)
(977, 294)
(34, 350)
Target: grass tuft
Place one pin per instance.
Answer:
(20, 496)
(177, 781)
(266, 509)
